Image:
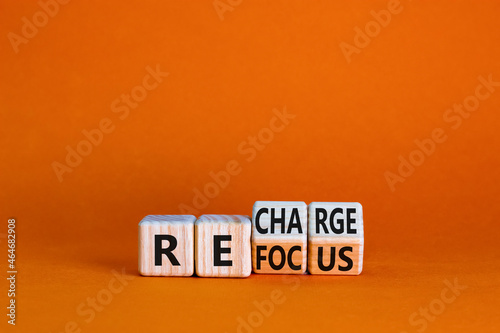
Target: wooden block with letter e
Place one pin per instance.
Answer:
(336, 238)
(279, 237)
(223, 246)
(166, 245)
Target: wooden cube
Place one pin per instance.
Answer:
(336, 238)
(166, 245)
(279, 237)
(223, 246)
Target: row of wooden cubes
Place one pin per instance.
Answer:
(283, 237)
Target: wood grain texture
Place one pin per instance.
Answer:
(337, 227)
(179, 226)
(239, 228)
(269, 231)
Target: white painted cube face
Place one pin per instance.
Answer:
(279, 218)
(336, 219)
(166, 245)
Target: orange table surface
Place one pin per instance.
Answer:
(391, 104)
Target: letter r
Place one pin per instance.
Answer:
(166, 251)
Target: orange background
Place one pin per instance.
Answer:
(353, 121)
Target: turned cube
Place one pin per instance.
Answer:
(223, 246)
(166, 245)
(335, 238)
(279, 237)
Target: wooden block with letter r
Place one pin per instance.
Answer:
(335, 238)
(223, 246)
(279, 237)
(166, 245)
